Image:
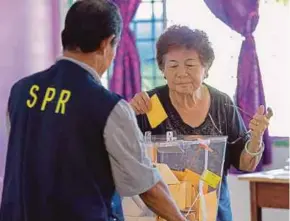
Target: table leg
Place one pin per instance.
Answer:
(256, 211)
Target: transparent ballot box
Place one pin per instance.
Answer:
(192, 167)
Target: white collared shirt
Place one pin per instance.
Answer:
(83, 65)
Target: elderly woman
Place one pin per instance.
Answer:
(193, 107)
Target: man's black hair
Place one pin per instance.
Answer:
(88, 23)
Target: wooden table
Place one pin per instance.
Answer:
(268, 189)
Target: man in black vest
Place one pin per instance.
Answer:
(75, 147)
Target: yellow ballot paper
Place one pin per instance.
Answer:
(210, 178)
(157, 113)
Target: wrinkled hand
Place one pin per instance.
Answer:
(141, 103)
(260, 123)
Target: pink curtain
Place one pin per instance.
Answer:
(126, 78)
(56, 25)
(25, 43)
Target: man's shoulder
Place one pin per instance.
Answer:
(27, 81)
(122, 111)
(98, 91)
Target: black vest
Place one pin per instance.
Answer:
(57, 166)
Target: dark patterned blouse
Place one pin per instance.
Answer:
(222, 119)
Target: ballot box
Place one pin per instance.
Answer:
(192, 167)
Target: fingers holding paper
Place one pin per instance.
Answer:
(141, 103)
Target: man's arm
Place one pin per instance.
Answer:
(159, 200)
(132, 170)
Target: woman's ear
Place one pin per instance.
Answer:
(164, 76)
(205, 73)
(161, 68)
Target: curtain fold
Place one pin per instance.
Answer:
(56, 22)
(126, 78)
(243, 16)
(25, 44)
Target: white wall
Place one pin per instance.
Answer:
(240, 193)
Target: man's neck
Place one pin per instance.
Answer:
(88, 59)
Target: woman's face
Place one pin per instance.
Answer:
(183, 70)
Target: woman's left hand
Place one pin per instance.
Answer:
(259, 123)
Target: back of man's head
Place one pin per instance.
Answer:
(88, 23)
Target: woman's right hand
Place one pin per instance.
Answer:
(141, 103)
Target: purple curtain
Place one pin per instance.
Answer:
(126, 79)
(243, 16)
